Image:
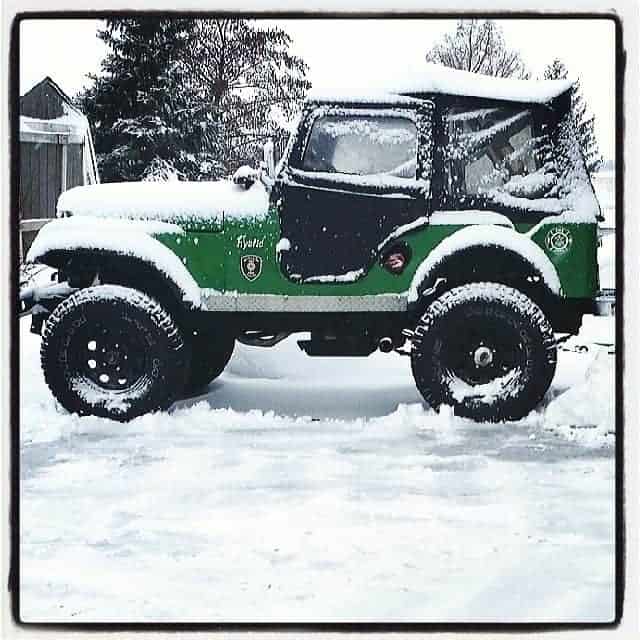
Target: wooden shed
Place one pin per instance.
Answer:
(56, 153)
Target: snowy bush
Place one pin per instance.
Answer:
(161, 170)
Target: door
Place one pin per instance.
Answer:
(351, 181)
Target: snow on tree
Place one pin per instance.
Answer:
(584, 121)
(478, 46)
(254, 84)
(138, 103)
(189, 98)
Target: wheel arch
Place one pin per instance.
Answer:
(80, 266)
(488, 253)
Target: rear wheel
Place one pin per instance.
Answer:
(485, 349)
(113, 351)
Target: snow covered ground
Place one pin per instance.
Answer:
(300, 489)
(312, 489)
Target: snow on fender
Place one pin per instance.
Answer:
(123, 237)
(489, 236)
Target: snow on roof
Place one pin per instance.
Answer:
(434, 78)
(71, 122)
(360, 96)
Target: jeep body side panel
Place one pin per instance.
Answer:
(202, 253)
(572, 248)
(119, 246)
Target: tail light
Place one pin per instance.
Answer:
(395, 259)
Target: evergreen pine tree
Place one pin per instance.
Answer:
(189, 98)
(584, 121)
(138, 104)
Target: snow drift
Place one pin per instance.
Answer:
(586, 412)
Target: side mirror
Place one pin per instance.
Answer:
(269, 159)
(267, 171)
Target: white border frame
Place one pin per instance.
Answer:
(627, 10)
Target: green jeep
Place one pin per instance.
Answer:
(451, 220)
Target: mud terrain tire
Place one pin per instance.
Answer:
(210, 354)
(485, 349)
(114, 352)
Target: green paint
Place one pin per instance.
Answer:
(578, 267)
(213, 259)
(201, 253)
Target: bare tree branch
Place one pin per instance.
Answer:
(478, 46)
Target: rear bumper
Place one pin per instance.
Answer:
(566, 314)
(605, 303)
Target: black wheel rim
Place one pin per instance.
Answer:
(482, 348)
(111, 356)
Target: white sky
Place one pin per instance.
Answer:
(342, 51)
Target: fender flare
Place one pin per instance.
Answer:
(489, 237)
(57, 242)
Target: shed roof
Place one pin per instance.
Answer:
(46, 101)
(47, 108)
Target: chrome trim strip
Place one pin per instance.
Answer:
(215, 301)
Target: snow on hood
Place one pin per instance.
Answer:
(435, 78)
(177, 202)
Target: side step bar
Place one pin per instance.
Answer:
(605, 303)
(340, 348)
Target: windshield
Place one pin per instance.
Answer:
(362, 145)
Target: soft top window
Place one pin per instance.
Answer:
(362, 145)
(516, 158)
(495, 151)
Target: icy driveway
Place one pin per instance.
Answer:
(219, 512)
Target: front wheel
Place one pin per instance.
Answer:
(485, 349)
(114, 352)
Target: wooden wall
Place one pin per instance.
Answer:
(41, 180)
